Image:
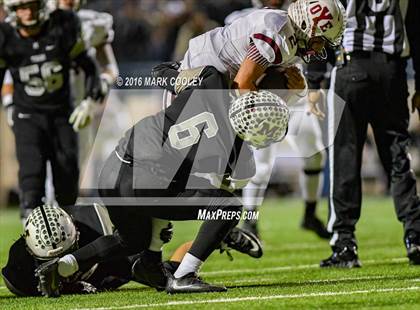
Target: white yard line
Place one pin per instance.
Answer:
(259, 298)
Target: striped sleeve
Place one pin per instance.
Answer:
(255, 56)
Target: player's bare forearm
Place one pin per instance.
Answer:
(248, 74)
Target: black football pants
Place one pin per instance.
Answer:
(374, 88)
(116, 183)
(40, 137)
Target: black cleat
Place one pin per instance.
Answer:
(190, 283)
(244, 241)
(252, 227)
(149, 273)
(342, 258)
(315, 224)
(412, 244)
(48, 278)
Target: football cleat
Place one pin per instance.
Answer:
(149, 273)
(243, 241)
(48, 278)
(190, 283)
(342, 258)
(314, 224)
(412, 244)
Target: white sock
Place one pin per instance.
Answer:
(156, 242)
(67, 266)
(189, 264)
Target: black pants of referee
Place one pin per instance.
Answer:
(374, 88)
(120, 182)
(40, 137)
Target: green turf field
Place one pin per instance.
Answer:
(286, 277)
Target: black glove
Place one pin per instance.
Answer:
(78, 287)
(167, 233)
(168, 70)
(48, 278)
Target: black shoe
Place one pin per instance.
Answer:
(244, 241)
(252, 227)
(412, 244)
(314, 224)
(48, 278)
(150, 273)
(190, 283)
(342, 258)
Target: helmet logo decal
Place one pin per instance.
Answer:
(325, 15)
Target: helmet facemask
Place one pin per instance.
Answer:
(317, 20)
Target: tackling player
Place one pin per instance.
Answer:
(39, 58)
(185, 160)
(63, 252)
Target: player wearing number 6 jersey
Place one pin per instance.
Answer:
(185, 161)
(39, 48)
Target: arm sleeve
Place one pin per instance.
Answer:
(413, 34)
(92, 80)
(256, 56)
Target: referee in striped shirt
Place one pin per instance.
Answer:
(380, 35)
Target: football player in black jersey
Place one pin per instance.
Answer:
(71, 255)
(186, 161)
(39, 48)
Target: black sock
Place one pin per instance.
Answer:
(209, 237)
(310, 207)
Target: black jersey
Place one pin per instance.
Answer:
(40, 65)
(19, 271)
(194, 132)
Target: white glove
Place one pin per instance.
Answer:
(7, 101)
(9, 113)
(82, 114)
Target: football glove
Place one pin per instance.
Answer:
(9, 114)
(79, 287)
(7, 101)
(82, 114)
(48, 278)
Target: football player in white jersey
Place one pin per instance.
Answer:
(244, 50)
(307, 144)
(98, 35)
(267, 37)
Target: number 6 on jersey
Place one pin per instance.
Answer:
(193, 135)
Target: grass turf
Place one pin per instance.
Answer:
(286, 277)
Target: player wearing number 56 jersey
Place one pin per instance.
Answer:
(39, 48)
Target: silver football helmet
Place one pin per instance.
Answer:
(50, 232)
(10, 7)
(259, 118)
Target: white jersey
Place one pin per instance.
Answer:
(225, 48)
